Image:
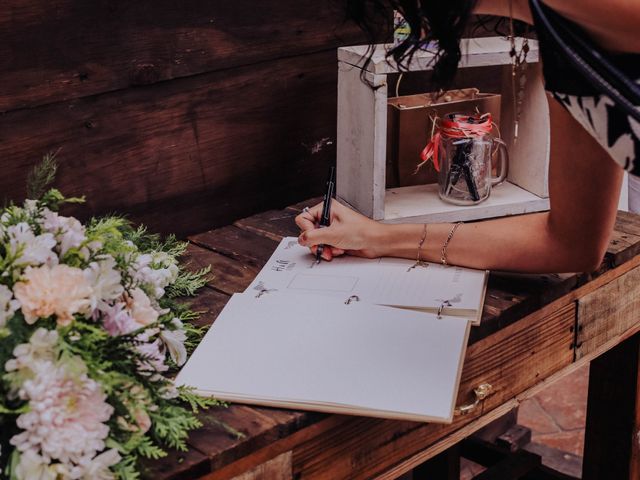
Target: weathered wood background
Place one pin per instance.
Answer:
(184, 115)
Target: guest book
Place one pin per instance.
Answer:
(320, 353)
(397, 282)
(376, 337)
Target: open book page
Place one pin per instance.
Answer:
(317, 353)
(383, 281)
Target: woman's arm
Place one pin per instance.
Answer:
(584, 185)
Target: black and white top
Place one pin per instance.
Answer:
(616, 131)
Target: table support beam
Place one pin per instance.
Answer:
(610, 432)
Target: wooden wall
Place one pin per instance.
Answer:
(183, 114)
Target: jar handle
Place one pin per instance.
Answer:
(504, 163)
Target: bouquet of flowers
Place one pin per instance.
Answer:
(90, 326)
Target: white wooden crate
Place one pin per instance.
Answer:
(362, 138)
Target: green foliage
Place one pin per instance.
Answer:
(42, 176)
(84, 346)
(197, 402)
(188, 283)
(172, 426)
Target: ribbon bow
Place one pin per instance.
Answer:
(454, 125)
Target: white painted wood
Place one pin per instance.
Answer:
(529, 155)
(476, 52)
(362, 137)
(361, 140)
(421, 203)
(623, 203)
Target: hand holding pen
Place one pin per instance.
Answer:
(325, 218)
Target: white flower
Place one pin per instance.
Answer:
(66, 416)
(156, 270)
(98, 468)
(41, 348)
(8, 305)
(105, 281)
(68, 231)
(34, 467)
(174, 340)
(28, 248)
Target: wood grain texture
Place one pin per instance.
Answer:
(238, 244)
(189, 154)
(278, 468)
(517, 354)
(77, 49)
(608, 312)
(273, 224)
(177, 466)
(512, 360)
(228, 276)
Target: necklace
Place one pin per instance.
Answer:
(518, 72)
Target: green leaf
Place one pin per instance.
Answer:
(42, 176)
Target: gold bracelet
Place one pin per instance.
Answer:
(420, 243)
(419, 262)
(443, 254)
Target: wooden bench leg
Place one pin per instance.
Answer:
(613, 409)
(445, 466)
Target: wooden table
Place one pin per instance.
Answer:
(535, 329)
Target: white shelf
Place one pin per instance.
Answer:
(362, 136)
(421, 203)
(476, 52)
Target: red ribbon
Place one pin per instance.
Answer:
(455, 126)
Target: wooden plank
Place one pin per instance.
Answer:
(273, 224)
(608, 312)
(76, 49)
(625, 241)
(512, 296)
(298, 207)
(228, 275)
(611, 410)
(512, 360)
(238, 244)
(177, 466)
(190, 154)
(278, 468)
(209, 303)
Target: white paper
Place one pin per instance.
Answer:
(318, 353)
(383, 281)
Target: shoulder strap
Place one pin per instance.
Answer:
(588, 60)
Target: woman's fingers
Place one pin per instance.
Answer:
(308, 219)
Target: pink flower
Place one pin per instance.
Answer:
(67, 414)
(154, 356)
(141, 309)
(59, 290)
(117, 320)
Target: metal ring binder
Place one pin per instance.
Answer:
(446, 303)
(352, 298)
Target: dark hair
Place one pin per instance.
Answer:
(442, 21)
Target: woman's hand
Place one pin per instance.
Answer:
(349, 232)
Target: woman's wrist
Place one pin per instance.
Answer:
(397, 240)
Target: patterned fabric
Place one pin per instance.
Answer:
(618, 133)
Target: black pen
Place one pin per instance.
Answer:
(325, 219)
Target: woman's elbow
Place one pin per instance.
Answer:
(587, 255)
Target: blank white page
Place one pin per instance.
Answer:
(383, 281)
(316, 353)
